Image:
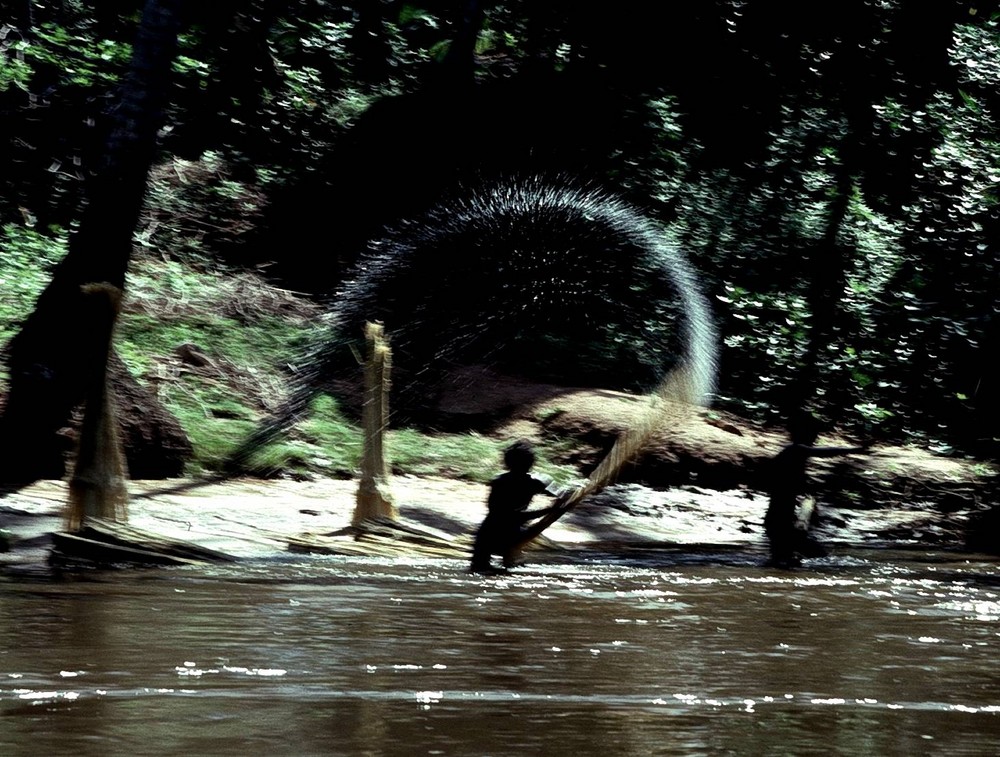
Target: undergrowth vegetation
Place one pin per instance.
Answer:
(219, 347)
(834, 185)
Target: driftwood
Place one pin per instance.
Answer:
(103, 543)
(383, 537)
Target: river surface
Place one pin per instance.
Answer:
(868, 652)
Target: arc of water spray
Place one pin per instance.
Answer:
(689, 385)
(686, 388)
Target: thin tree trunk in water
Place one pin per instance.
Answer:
(54, 354)
(374, 498)
(97, 488)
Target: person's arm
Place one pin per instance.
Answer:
(532, 514)
(555, 506)
(561, 494)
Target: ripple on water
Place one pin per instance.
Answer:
(443, 652)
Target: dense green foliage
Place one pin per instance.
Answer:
(833, 174)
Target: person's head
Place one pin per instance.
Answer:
(519, 457)
(803, 428)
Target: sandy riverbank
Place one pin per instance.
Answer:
(254, 519)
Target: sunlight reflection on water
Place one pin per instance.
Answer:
(347, 656)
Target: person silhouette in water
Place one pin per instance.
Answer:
(509, 497)
(788, 540)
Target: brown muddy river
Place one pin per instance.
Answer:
(865, 653)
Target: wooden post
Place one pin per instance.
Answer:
(374, 498)
(97, 488)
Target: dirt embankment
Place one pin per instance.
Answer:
(890, 494)
(713, 464)
(710, 449)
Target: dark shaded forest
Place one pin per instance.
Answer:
(833, 176)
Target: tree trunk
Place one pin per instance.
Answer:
(53, 355)
(369, 44)
(374, 498)
(22, 14)
(460, 61)
(97, 488)
(226, 111)
(826, 288)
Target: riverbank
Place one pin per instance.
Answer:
(710, 449)
(698, 482)
(257, 519)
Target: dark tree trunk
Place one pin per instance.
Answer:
(226, 112)
(21, 15)
(116, 18)
(832, 260)
(50, 358)
(826, 288)
(369, 44)
(460, 62)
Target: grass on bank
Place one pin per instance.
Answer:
(246, 331)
